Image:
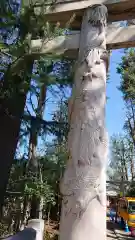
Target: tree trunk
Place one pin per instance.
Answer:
(122, 187)
(36, 203)
(124, 164)
(41, 200)
(34, 207)
(26, 212)
(126, 173)
(11, 111)
(132, 168)
(84, 183)
(32, 162)
(131, 121)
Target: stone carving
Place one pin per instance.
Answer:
(84, 178)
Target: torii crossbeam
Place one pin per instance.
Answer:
(68, 45)
(84, 183)
(62, 11)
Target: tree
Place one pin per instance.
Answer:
(51, 167)
(49, 74)
(20, 84)
(122, 158)
(127, 86)
(12, 92)
(16, 80)
(121, 165)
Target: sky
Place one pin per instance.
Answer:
(115, 106)
(115, 114)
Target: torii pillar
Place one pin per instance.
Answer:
(84, 183)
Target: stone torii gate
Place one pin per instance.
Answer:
(84, 183)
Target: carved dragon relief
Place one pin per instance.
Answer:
(87, 137)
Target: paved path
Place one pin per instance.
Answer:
(115, 232)
(110, 231)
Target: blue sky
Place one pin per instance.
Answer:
(115, 114)
(115, 106)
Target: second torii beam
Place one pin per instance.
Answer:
(117, 37)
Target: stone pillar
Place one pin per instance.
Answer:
(83, 186)
(38, 225)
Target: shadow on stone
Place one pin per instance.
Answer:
(26, 234)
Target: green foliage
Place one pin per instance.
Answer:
(50, 237)
(61, 115)
(127, 70)
(131, 190)
(45, 182)
(3, 230)
(52, 168)
(16, 49)
(34, 187)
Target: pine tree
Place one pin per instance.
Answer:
(16, 76)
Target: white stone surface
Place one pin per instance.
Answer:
(38, 225)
